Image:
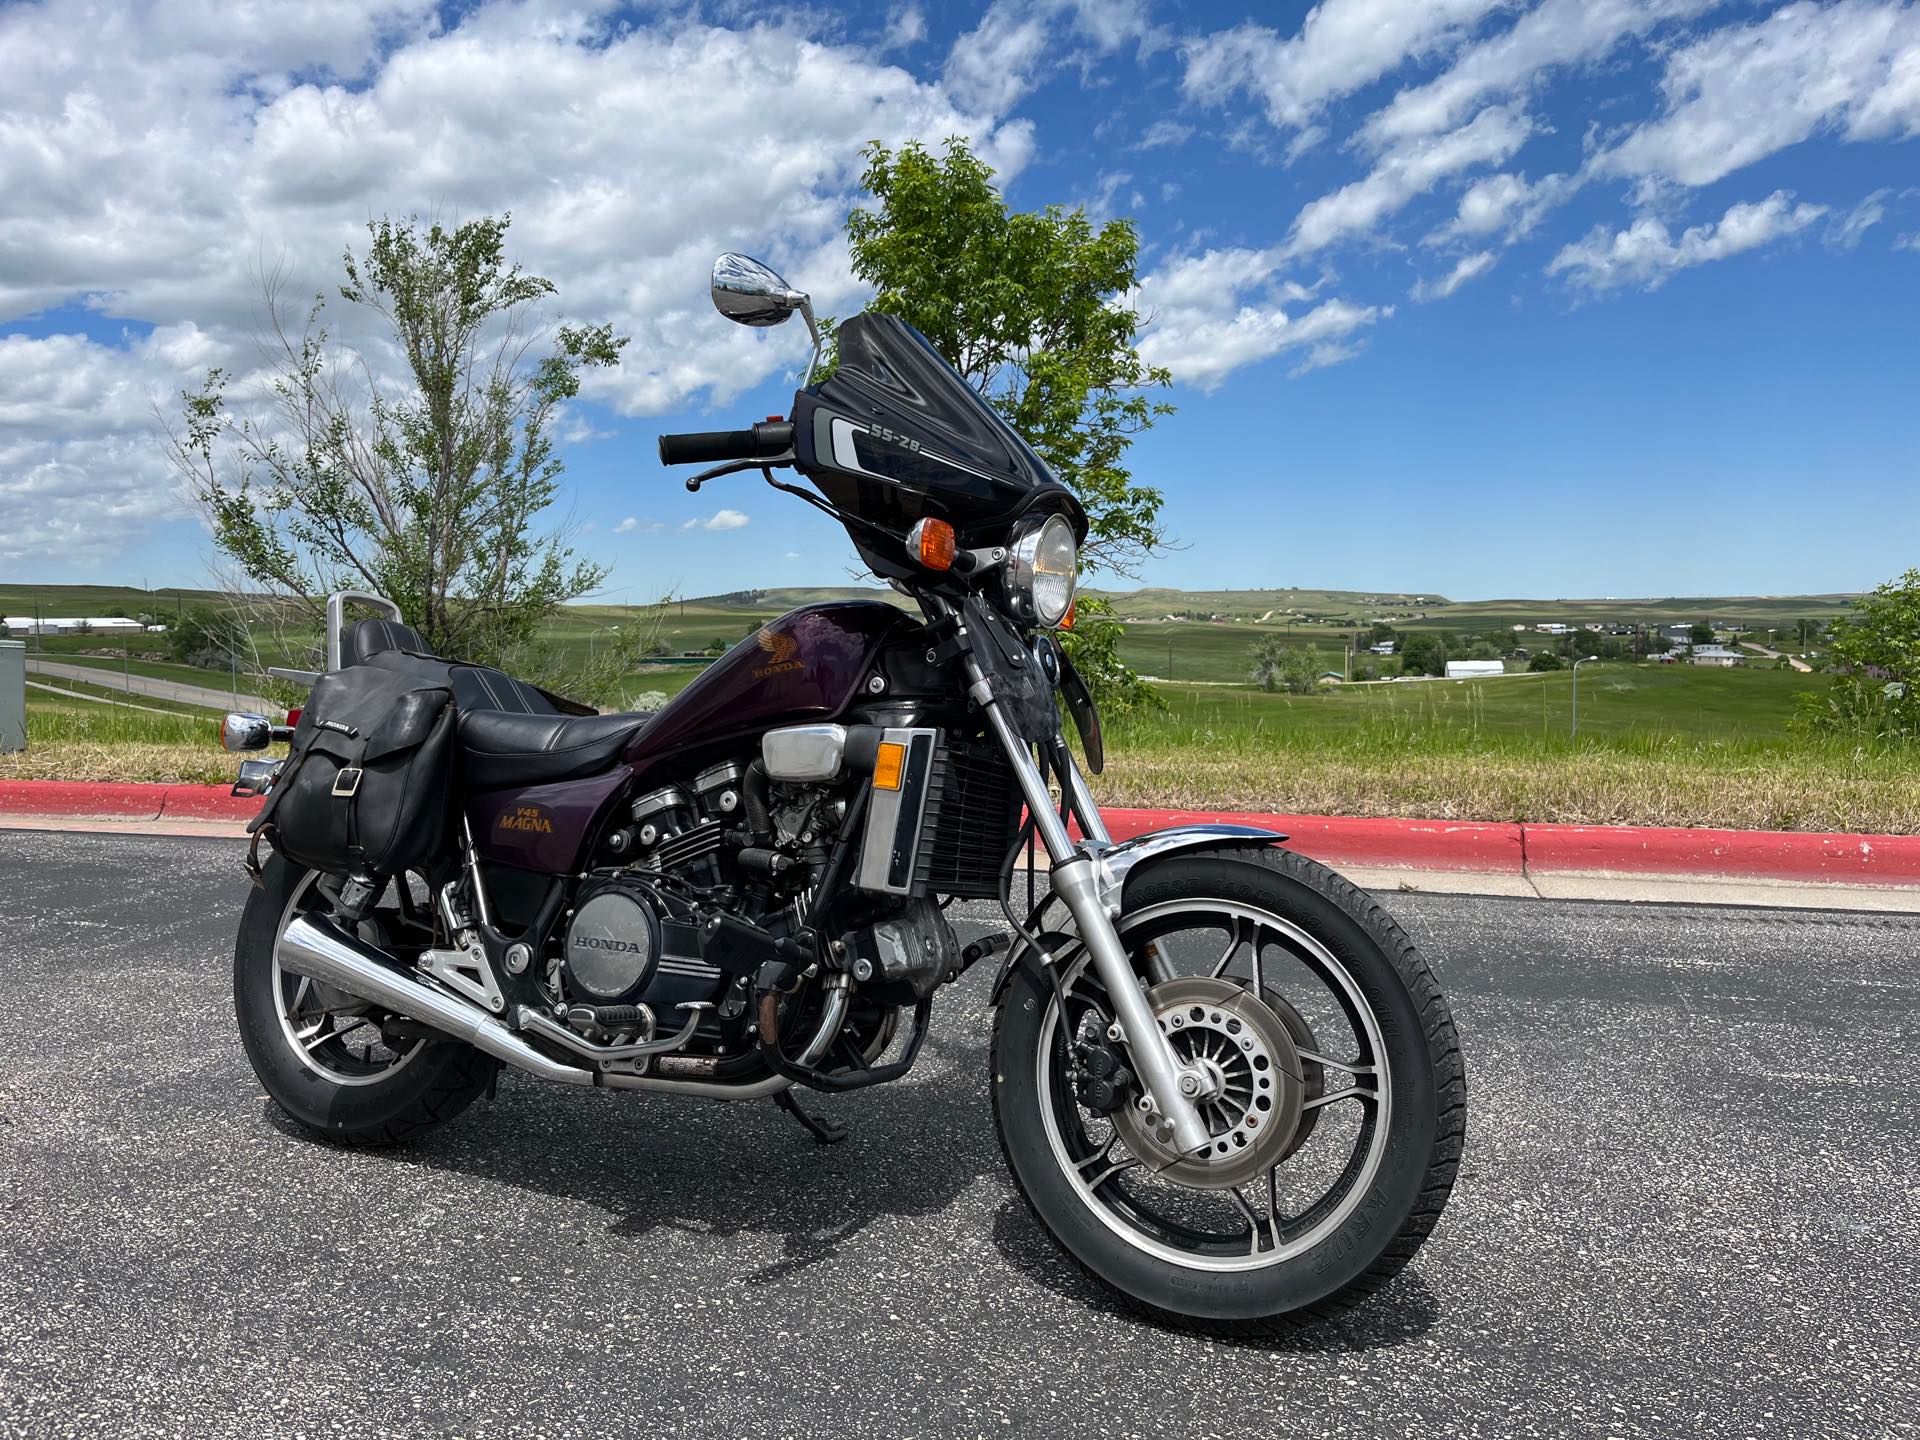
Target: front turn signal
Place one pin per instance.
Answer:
(930, 542)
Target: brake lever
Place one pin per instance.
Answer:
(733, 467)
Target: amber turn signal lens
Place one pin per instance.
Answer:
(1067, 623)
(889, 766)
(931, 542)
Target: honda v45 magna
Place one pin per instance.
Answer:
(1222, 1077)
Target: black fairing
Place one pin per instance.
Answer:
(896, 435)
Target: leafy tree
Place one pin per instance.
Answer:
(1658, 644)
(1093, 644)
(423, 481)
(1423, 654)
(1033, 308)
(208, 638)
(1546, 660)
(1279, 666)
(1701, 633)
(1482, 650)
(1380, 634)
(1877, 650)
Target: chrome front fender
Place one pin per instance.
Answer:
(1117, 862)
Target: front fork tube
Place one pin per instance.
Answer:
(1076, 877)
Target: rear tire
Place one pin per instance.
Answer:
(395, 1096)
(1310, 1264)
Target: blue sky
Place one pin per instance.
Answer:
(1555, 299)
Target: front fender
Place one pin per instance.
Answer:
(1121, 860)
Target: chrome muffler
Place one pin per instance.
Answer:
(316, 947)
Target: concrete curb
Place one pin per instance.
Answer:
(1522, 851)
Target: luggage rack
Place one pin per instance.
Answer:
(336, 627)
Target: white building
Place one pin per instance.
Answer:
(71, 624)
(1717, 655)
(1470, 669)
(1552, 627)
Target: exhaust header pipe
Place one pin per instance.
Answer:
(317, 948)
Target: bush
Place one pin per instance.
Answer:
(1546, 660)
(1876, 695)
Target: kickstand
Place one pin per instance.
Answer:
(821, 1128)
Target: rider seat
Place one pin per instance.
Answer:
(510, 733)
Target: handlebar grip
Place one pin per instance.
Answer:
(769, 438)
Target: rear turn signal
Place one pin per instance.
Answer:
(931, 543)
(889, 766)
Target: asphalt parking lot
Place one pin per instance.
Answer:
(1687, 1208)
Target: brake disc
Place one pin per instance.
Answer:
(1247, 1052)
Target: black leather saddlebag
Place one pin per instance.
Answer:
(368, 783)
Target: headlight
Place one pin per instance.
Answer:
(1041, 569)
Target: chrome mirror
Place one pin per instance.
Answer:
(241, 731)
(749, 293)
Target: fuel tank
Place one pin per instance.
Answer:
(807, 665)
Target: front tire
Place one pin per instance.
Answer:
(321, 1054)
(1359, 1086)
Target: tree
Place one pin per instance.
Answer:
(1423, 654)
(1093, 644)
(424, 481)
(1701, 633)
(209, 638)
(1546, 660)
(1033, 308)
(1877, 650)
(1279, 666)
(1379, 634)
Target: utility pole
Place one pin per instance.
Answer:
(1574, 729)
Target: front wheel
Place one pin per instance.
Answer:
(1331, 1083)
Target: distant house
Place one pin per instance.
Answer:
(1717, 655)
(1385, 647)
(1469, 669)
(1551, 627)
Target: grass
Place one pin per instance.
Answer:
(112, 695)
(1657, 746)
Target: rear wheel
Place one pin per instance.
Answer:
(328, 1058)
(1330, 1081)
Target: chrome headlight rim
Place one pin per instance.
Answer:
(1024, 554)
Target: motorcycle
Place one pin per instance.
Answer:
(1223, 1079)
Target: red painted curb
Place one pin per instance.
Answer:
(207, 802)
(1512, 849)
(80, 797)
(1769, 854)
(1426, 844)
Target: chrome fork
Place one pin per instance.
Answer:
(1076, 878)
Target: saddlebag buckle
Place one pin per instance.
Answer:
(347, 782)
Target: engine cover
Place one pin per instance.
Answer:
(629, 943)
(613, 945)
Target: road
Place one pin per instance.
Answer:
(1686, 1209)
(1792, 660)
(213, 697)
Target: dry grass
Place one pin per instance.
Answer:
(1737, 785)
(1766, 791)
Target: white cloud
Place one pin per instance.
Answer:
(155, 158)
(719, 520)
(82, 470)
(1505, 204)
(1556, 33)
(1017, 43)
(1846, 231)
(1210, 314)
(1164, 133)
(633, 524)
(906, 25)
(1742, 93)
(1910, 241)
(1342, 46)
(1471, 267)
(1407, 170)
(1646, 254)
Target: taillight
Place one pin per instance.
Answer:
(293, 716)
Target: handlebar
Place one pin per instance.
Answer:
(764, 441)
